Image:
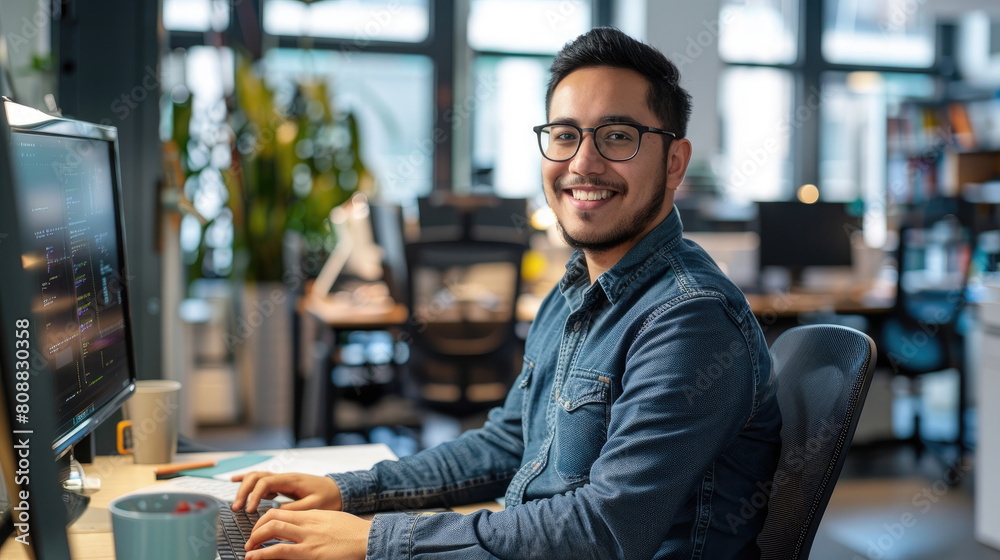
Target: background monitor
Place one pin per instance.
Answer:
(796, 235)
(69, 229)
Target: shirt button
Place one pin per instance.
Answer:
(577, 325)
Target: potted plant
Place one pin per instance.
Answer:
(292, 165)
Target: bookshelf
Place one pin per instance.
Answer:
(944, 150)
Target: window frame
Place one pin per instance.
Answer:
(807, 76)
(451, 161)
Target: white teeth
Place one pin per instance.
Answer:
(590, 195)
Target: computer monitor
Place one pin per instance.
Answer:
(64, 258)
(797, 235)
(66, 194)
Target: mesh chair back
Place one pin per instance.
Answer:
(463, 298)
(464, 294)
(823, 373)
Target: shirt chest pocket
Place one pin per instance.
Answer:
(582, 414)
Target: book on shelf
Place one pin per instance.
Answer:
(965, 136)
(923, 137)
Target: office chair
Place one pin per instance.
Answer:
(823, 373)
(922, 334)
(464, 353)
(445, 217)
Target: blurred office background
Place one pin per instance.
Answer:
(337, 230)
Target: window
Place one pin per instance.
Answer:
(526, 26)
(761, 31)
(755, 103)
(825, 116)
(195, 15)
(390, 94)
(364, 21)
(445, 93)
(882, 32)
(755, 106)
(514, 42)
(199, 79)
(505, 154)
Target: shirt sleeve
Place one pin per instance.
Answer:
(675, 416)
(475, 467)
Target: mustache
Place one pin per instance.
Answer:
(577, 181)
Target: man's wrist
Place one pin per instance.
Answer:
(357, 491)
(361, 550)
(390, 535)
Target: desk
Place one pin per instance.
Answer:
(796, 303)
(320, 319)
(90, 538)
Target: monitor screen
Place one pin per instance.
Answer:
(796, 235)
(72, 252)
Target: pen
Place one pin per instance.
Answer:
(178, 467)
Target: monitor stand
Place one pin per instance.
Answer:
(795, 278)
(75, 487)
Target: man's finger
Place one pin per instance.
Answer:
(260, 491)
(248, 482)
(283, 551)
(274, 525)
(305, 504)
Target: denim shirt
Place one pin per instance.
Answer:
(643, 425)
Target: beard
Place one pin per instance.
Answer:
(627, 228)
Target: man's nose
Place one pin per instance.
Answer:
(587, 161)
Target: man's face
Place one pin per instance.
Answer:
(631, 197)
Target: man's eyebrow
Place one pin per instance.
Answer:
(603, 120)
(618, 119)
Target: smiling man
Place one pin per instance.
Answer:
(644, 419)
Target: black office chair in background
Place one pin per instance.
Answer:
(823, 374)
(464, 352)
(922, 335)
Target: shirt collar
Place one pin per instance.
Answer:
(616, 280)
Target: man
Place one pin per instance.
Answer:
(644, 418)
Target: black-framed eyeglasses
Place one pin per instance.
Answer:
(614, 141)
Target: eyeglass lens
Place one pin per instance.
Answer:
(614, 141)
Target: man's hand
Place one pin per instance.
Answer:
(308, 491)
(314, 535)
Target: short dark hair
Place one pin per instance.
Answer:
(608, 46)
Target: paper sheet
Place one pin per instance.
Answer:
(318, 461)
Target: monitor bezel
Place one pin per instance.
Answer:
(26, 120)
(770, 255)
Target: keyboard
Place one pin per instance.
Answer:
(234, 530)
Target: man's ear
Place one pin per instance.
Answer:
(678, 158)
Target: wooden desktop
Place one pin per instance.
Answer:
(790, 304)
(90, 537)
